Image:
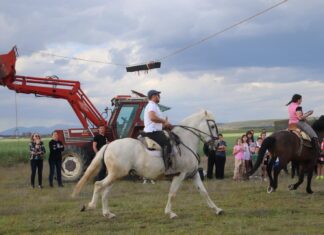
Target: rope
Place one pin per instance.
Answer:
(221, 31)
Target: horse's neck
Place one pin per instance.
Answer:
(186, 136)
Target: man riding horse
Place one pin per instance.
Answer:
(154, 123)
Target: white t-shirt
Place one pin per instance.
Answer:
(149, 125)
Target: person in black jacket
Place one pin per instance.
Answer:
(37, 153)
(55, 159)
(99, 141)
(210, 152)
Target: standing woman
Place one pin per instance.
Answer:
(55, 159)
(37, 153)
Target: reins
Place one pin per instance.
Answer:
(192, 130)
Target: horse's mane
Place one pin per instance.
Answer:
(202, 114)
(318, 125)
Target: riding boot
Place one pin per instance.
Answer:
(168, 163)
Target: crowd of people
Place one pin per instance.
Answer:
(245, 150)
(37, 155)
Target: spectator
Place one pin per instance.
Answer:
(37, 153)
(263, 134)
(210, 152)
(246, 155)
(99, 141)
(238, 152)
(320, 164)
(250, 137)
(220, 158)
(55, 159)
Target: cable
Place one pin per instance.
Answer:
(221, 31)
(77, 58)
(178, 50)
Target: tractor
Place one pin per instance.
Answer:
(124, 120)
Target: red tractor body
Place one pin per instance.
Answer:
(126, 118)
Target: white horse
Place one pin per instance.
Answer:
(124, 155)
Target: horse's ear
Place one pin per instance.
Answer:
(206, 114)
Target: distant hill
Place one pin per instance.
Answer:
(40, 129)
(246, 125)
(231, 126)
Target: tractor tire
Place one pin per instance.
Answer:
(73, 164)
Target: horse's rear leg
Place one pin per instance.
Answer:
(309, 181)
(176, 182)
(269, 171)
(96, 192)
(105, 208)
(99, 186)
(300, 179)
(202, 190)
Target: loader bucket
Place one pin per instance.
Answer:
(7, 66)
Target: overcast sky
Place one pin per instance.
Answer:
(247, 73)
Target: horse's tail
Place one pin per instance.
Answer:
(92, 170)
(267, 144)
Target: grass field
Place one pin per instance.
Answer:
(140, 208)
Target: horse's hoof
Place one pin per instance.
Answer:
(270, 189)
(109, 215)
(173, 215)
(83, 208)
(309, 191)
(220, 212)
(291, 187)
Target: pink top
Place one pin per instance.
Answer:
(292, 113)
(239, 155)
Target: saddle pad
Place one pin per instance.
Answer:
(151, 144)
(301, 134)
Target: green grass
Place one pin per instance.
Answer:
(13, 151)
(140, 208)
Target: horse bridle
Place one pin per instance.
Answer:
(211, 124)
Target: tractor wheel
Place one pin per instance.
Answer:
(73, 164)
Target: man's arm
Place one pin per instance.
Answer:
(156, 119)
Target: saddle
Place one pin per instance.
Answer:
(305, 139)
(153, 145)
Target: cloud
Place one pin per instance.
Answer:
(249, 72)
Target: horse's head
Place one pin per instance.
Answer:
(208, 126)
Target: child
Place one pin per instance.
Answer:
(320, 164)
(238, 152)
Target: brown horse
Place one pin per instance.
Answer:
(284, 147)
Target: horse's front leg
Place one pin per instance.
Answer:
(202, 190)
(176, 182)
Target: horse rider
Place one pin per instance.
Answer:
(298, 119)
(154, 123)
